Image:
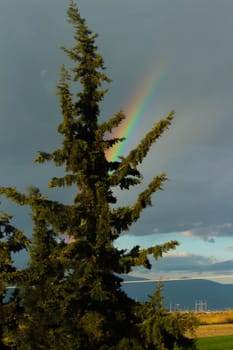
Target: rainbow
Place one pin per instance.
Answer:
(138, 106)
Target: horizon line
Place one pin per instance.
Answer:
(165, 280)
(211, 277)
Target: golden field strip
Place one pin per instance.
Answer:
(215, 323)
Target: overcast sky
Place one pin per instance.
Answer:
(192, 41)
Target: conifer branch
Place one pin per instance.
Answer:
(140, 257)
(112, 123)
(14, 195)
(136, 156)
(123, 217)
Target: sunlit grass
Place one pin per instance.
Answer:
(215, 343)
(216, 317)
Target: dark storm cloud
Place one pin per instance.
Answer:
(195, 38)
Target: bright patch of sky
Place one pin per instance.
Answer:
(221, 248)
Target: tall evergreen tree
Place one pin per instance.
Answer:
(71, 292)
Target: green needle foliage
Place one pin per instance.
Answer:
(12, 241)
(163, 330)
(71, 291)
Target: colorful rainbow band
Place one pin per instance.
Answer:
(137, 108)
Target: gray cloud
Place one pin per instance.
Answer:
(211, 231)
(185, 265)
(194, 38)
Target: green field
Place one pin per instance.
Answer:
(224, 342)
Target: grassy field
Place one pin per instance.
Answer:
(218, 317)
(215, 343)
(215, 331)
(212, 330)
(215, 324)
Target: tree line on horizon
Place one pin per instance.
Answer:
(69, 296)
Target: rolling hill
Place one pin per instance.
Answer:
(185, 294)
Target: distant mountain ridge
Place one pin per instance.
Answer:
(184, 294)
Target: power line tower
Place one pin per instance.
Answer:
(200, 305)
